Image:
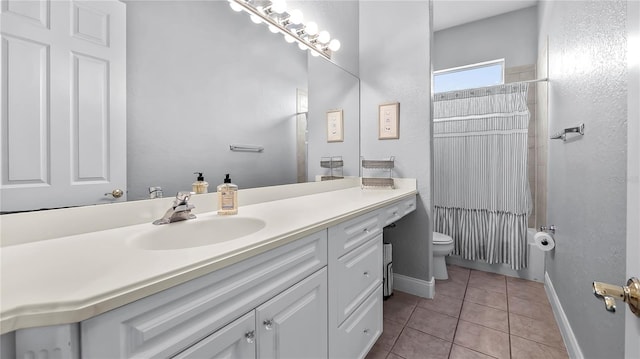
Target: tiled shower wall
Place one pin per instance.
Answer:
(536, 160)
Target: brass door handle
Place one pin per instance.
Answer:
(116, 193)
(629, 294)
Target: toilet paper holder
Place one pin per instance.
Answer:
(550, 229)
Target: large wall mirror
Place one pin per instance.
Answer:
(201, 77)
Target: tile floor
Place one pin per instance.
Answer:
(474, 315)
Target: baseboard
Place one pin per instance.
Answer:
(419, 287)
(570, 341)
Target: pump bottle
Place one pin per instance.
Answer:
(227, 197)
(200, 185)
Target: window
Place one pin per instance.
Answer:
(471, 76)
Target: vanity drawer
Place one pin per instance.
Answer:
(357, 335)
(348, 235)
(358, 273)
(398, 210)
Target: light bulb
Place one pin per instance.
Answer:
(278, 6)
(324, 36)
(255, 18)
(235, 6)
(334, 45)
(273, 29)
(311, 28)
(302, 46)
(314, 54)
(296, 17)
(288, 38)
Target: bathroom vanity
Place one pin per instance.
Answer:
(305, 280)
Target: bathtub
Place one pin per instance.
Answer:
(534, 272)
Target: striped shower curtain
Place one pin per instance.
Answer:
(481, 192)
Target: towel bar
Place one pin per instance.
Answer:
(563, 134)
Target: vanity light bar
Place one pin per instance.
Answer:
(310, 42)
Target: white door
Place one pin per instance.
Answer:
(294, 323)
(63, 103)
(235, 340)
(632, 322)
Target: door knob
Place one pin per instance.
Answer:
(116, 193)
(629, 293)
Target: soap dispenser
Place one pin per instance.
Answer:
(227, 197)
(200, 186)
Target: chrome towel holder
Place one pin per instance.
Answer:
(563, 134)
(246, 148)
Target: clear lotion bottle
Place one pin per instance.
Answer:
(200, 186)
(227, 197)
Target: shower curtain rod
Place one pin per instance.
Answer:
(546, 79)
(446, 95)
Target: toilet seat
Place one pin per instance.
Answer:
(439, 238)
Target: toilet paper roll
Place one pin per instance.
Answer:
(544, 241)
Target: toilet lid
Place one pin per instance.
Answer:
(441, 238)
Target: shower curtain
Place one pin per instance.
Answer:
(481, 192)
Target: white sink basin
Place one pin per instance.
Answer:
(196, 233)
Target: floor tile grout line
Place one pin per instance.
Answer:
(537, 342)
(474, 350)
(508, 319)
(455, 332)
(508, 322)
(404, 326)
(396, 342)
(487, 306)
(484, 326)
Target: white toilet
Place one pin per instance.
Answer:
(442, 246)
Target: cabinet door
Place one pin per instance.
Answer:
(294, 323)
(236, 340)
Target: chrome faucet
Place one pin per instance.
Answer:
(179, 211)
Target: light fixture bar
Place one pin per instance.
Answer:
(326, 53)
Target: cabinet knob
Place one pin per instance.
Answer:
(366, 230)
(366, 331)
(366, 274)
(268, 324)
(250, 337)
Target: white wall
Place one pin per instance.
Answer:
(395, 66)
(587, 176)
(332, 88)
(193, 90)
(512, 36)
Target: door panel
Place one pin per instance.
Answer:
(63, 136)
(632, 322)
(25, 134)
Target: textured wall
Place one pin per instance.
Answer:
(587, 187)
(344, 95)
(394, 66)
(512, 36)
(193, 90)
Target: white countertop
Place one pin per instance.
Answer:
(73, 278)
